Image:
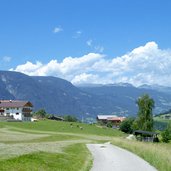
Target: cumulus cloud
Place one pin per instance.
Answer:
(68, 69)
(84, 78)
(146, 64)
(57, 29)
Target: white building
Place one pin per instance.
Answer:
(19, 110)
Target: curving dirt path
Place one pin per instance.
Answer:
(108, 157)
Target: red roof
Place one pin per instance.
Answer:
(14, 103)
(116, 119)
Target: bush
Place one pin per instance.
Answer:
(166, 134)
(40, 114)
(70, 118)
(101, 123)
(126, 125)
(109, 124)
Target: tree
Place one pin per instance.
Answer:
(70, 118)
(126, 125)
(144, 120)
(40, 113)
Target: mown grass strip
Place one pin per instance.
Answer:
(157, 154)
(75, 157)
(58, 126)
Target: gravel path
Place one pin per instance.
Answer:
(108, 157)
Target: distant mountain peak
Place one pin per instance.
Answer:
(58, 96)
(103, 85)
(121, 84)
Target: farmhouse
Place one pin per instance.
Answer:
(110, 118)
(19, 110)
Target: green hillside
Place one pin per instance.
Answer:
(49, 145)
(61, 146)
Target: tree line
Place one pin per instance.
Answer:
(42, 114)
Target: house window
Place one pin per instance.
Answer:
(7, 108)
(8, 114)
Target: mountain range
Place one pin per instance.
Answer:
(58, 96)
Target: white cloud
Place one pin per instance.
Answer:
(68, 69)
(84, 78)
(57, 29)
(77, 34)
(6, 59)
(29, 68)
(147, 64)
(96, 48)
(89, 42)
(99, 49)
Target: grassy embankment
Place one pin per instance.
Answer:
(49, 145)
(157, 154)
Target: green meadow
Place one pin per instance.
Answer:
(61, 146)
(49, 145)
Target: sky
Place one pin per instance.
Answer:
(88, 41)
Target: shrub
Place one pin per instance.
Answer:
(40, 114)
(166, 134)
(126, 125)
(109, 124)
(70, 118)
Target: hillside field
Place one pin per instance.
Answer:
(49, 145)
(61, 146)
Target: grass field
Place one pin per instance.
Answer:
(157, 154)
(60, 146)
(160, 123)
(49, 145)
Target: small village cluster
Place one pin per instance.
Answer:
(22, 110)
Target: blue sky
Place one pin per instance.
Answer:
(42, 34)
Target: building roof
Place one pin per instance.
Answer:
(140, 132)
(56, 118)
(14, 103)
(105, 116)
